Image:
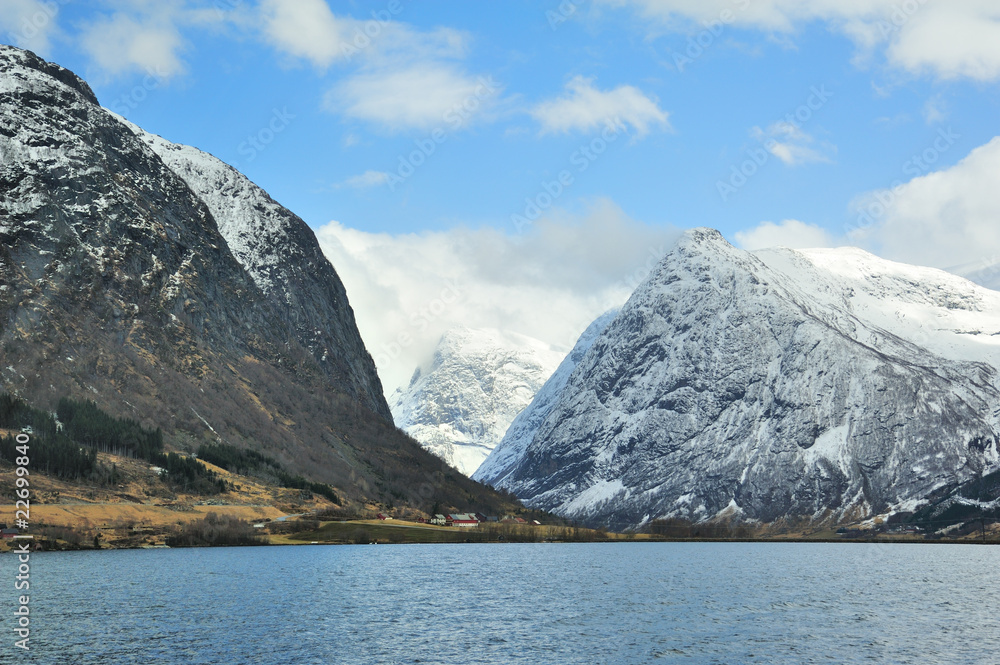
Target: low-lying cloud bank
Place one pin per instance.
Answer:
(549, 283)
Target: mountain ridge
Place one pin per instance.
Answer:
(281, 254)
(767, 386)
(117, 285)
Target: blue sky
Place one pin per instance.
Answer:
(824, 105)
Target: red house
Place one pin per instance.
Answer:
(463, 520)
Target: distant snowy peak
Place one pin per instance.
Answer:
(769, 385)
(522, 431)
(460, 405)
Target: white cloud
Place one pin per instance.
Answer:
(793, 146)
(948, 219)
(584, 108)
(142, 37)
(424, 95)
(403, 43)
(953, 39)
(406, 290)
(365, 180)
(404, 78)
(29, 24)
(790, 233)
(307, 29)
(935, 110)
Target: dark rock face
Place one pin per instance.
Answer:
(172, 290)
(763, 387)
(280, 252)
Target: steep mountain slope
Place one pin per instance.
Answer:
(116, 284)
(279, 251)
(479, 380)
(519, 435)
(782, 384)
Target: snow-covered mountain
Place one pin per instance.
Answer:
(521, 432)
(166, 287)
(824, 384)
(460, 405)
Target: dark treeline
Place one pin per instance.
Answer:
(252, 463)
(68, 448)
(985, 488)
(50, 450)
(88, 425)
(187, 473)
(236, 460)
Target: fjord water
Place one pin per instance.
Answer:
(726, 603)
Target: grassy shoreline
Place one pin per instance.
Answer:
(398, 532)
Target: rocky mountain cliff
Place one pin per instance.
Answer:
(280, 253)
(503, 459)
(461, 404)
(822, 384)
(163, 285)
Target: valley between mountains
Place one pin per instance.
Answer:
(186, 363)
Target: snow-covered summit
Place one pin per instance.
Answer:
(766, 385)
(460, 405)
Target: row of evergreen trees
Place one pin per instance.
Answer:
(68, 448)
(66, 445)
(51, 450)
(88, 425)
(187, 473)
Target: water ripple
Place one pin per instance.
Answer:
(727, 603)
